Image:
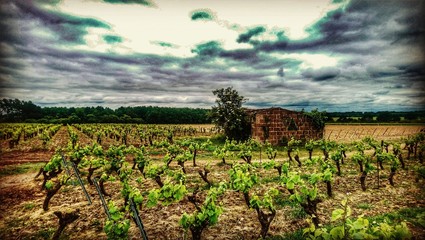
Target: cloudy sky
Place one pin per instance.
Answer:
(334, 55)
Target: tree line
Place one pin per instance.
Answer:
(376, 117)
(15, 110)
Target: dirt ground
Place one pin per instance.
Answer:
(22, 216)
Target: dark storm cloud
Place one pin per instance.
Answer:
(269, 46)
(141, 2)
(280, 72)
(377, 45)
(415, 30)
(390, 21)
(239, 76)
(7, 61)
(49, 2)
(259, 104)
(383, 92)
(173, 78)
(287, 63)
(70, 29)
(321, 74)
(211, 48)
(202, 14)
(165, 44)
(111, 39)
(240, 54)
(246, 37)
(134, 59)
(92, 60)
(9, 14)
(359, 23)
(413, 70)
(379, 71)
(74, 71)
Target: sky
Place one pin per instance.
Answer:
(333, 55)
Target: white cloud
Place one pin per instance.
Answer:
(171, 22)
(311, 60)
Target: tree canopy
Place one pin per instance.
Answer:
(229, 115)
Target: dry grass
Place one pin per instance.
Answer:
(349, 133)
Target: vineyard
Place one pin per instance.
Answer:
(134, 181)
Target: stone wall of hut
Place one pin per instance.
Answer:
(279, 125)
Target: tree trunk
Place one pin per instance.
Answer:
(329, 188)
(169, 161)
(291, 191)
(158, 181)
(181, 164)
(279, 169)
(39, 172)
(374, 153)
(326, 154)
(64, 220)
(204, 176)
(289, 155)
(311, 209)
(76, 161)
(247, 159)
(265, 221)
(310, 154)
(363, 180)
(415, 148)
(141, 169)
(400, 158)
(196, 232)
(102, 187)
(194, 157)
(343, 156)
(361, 166)
(91, 171)
(297, 158)
(247, 199)
(338, 167)
(380, 165)
(50, 194)
(409, 151)
(391, 177)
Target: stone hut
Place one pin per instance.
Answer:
(278, 125)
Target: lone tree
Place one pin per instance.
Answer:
(319, 118)
(229, 115)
